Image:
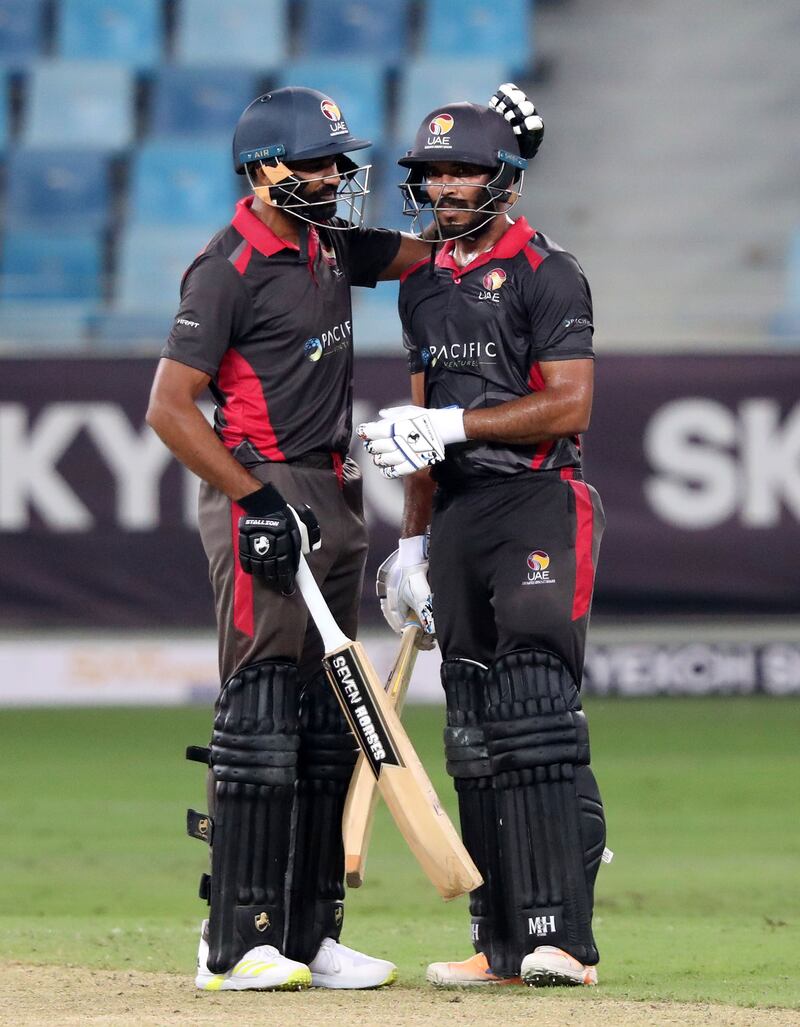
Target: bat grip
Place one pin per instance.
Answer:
(332, 635)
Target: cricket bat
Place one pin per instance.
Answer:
(362, 797)
(401, 778)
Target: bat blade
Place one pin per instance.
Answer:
(401, 778)
(362, 796)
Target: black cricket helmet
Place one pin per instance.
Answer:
(299, 124)
(462, 133)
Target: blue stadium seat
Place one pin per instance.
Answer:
(200, 102)
(60, 190)
(50, 266)
(359, 28)
(242, 34)
(21, 31)
(42, 327)
(127, 31)
(182, 184)
(129, 331)
(428, 83)
(376, 323)
(3, 111)
(480, 28)
(359, 87)
(151, 264)
(76, 104)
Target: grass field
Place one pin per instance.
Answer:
(701, 902)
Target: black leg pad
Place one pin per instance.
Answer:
(253, 764)
(328, 752)
(468, 764)
(552, 830)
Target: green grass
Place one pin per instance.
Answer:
(700, 903)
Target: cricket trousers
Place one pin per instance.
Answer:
(512, 567)
(256, 624)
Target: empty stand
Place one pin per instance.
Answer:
(87, 104)
(358, 28)
(428, 83)
(151, 264)
(471, 29)
(21, 31)
(58, 190)
(63, 266)
(243, 34)
(128, 31)
(200, 102)
(182, 184)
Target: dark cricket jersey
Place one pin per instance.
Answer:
(274, 333)
(479, 334)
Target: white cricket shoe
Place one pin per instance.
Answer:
(262, 968)
(337, 966)
(548, 965)
(466, 973)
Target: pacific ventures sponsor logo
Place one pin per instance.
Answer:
(460, 354)
(330, 341)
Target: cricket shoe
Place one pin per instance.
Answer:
(262, 968)
(549, 966)
(337, 966)
(467, 973)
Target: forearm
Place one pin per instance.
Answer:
(192, 440)
(419, 489)
(549, 414)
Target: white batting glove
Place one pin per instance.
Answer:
(410, 438)
(512, 104)
(403, 589)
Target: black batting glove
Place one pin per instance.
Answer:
(272, 535)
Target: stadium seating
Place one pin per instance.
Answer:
(359, 87)
(244, 34)
(41, 327)
(428, 83)
(127, 31)
(376, 323)
(359, 28)
(65, 266)
(200, 102)
(479, 29)
(86, 104)
(60, 190)
(151, 264)
(21, 31)
(3, 112)
(182, 184)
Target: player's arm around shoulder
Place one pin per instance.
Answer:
(412, 250)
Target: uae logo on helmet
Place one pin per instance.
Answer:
(438, 130)
(334, 115)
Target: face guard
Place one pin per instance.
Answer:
(424, 211)
(288, 192)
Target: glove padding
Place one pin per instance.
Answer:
(512, 104)
(405, 596)
(410, 438)
(272, 535)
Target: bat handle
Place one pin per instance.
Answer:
(332, 635)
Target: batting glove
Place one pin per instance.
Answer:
(403, 589)
(410, 438)
(512, 104)
(272, 535)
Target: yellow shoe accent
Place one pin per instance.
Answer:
(297, 981)
(215, 984)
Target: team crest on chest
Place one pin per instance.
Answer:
(493, 282)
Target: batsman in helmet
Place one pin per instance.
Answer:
(498, 330)
(265, 323)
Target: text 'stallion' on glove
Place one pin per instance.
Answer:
(408, 438)
(272, 535)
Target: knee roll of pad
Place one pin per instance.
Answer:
(253, 761)
(328, 753)
(552, 831)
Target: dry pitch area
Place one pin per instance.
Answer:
(76, 997)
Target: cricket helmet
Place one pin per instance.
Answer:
(298, 124)
(463, 133)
